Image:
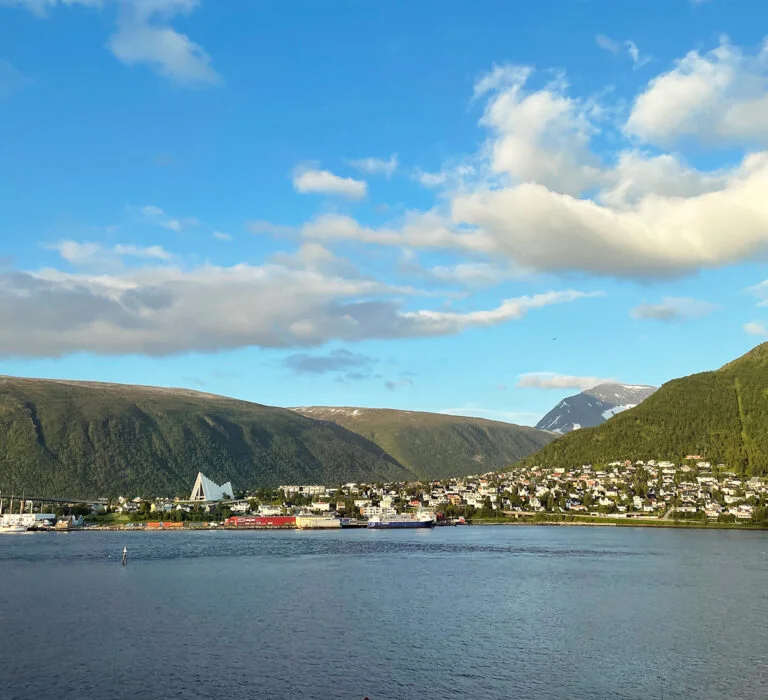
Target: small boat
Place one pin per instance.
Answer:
(11, 529)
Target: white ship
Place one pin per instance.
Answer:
(404, 521)
(317, 522)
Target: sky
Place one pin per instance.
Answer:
(466, 207)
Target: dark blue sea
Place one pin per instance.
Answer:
(568, 613)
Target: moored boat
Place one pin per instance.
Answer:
(317, 522)
(403, 521)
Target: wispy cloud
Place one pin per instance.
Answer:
(638, 60)
(758, 328)
(376, 166)
(157, 216)
(144, 36)
(615, 47)
(553, 380)
(673, 309)
(309, 180)
(607, 44)
(11, 79)
(394, 385)
(337, 361)
(84, 253)
(221, 236)
(472, 410)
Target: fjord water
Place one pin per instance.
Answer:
(480, 612)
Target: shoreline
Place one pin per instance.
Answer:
(667, 524)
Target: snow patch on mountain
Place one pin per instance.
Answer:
(593, 407)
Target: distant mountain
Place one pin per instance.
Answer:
(593, 407)
(720, 415)
(87, 439)
(436, 445)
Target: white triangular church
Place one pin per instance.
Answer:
(205, 490)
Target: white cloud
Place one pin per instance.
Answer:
(638, 174)
(449, 322)
(431, 179)
(221, 236)
(168, 52)
(542, 201)
(719, 97)
(538, 137)
(166, 310)
(88, 253)
(756, 328)
(674, 309)
(657, 236)
(307, 179)
(143, 36)
(553, 380)
(376, 166)
(75, 252)
(153, 251)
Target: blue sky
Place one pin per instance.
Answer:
(473, 207)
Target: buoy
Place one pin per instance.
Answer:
(125, 555)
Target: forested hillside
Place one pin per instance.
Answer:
(721, 415)
(89, 439)
(437, 445)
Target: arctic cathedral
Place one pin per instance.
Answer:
(206, 490)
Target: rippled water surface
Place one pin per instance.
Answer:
(481, 612)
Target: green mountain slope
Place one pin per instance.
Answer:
(88, 439)
(436, 445)
(721, 415)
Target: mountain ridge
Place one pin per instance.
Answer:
(452, 445)
(593, 406)
(721, 414)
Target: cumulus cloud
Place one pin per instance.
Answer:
(144, 36)
(336, 361)
(539, 198)
(307, 179)
(716, 97)
(646, 215)
(376, 166)
(673, 309)
(539, 136)
(553, 380)
(756, 328)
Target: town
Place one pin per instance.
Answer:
(693, 491)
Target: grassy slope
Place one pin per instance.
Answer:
(88, 439)
(721, 415)
(437, 445)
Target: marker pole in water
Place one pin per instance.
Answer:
(125, 555)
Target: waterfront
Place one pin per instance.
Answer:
(492, 612)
